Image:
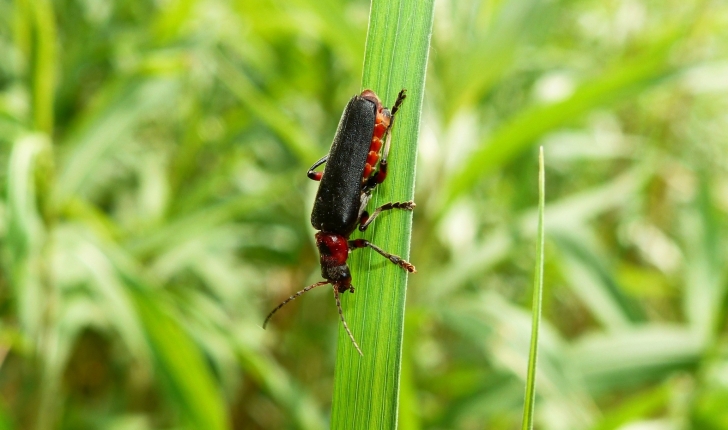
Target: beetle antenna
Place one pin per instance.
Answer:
(293, 297)
(346, 327)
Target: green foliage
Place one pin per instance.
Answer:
(155, 208)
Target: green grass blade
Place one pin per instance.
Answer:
(528, 406)
(366, 389)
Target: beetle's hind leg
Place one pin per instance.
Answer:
(312, 173)
(367, 219)
(399, 261)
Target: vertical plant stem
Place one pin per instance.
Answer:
(366, 389)
(530, 398)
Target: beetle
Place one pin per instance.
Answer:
(345, 188)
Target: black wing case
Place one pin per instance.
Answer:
(336, 207)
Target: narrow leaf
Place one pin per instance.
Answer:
(529, 404)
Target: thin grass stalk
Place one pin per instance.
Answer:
(530, 398)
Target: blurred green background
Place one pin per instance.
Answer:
(155, 207)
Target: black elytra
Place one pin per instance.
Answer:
(338, 200)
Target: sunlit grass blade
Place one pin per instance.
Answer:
(530, 398)
(366, 389)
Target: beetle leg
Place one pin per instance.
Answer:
(367, 219)
(312, 174)
(293, 297)
(363, 243)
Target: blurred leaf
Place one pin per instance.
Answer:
(636, 406)
(184, 367)
(486, 47)
(502, 332)
(408, 412)
(26, 230)
(622, 80)
(277, 383)
(705, 287)
(102, 134)
(80, 257)
(338, 32)
(293, 136)
(631, 357)
(35, 27)
(6, 422)
(177, 231)
(595, 284)
(564, 215)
